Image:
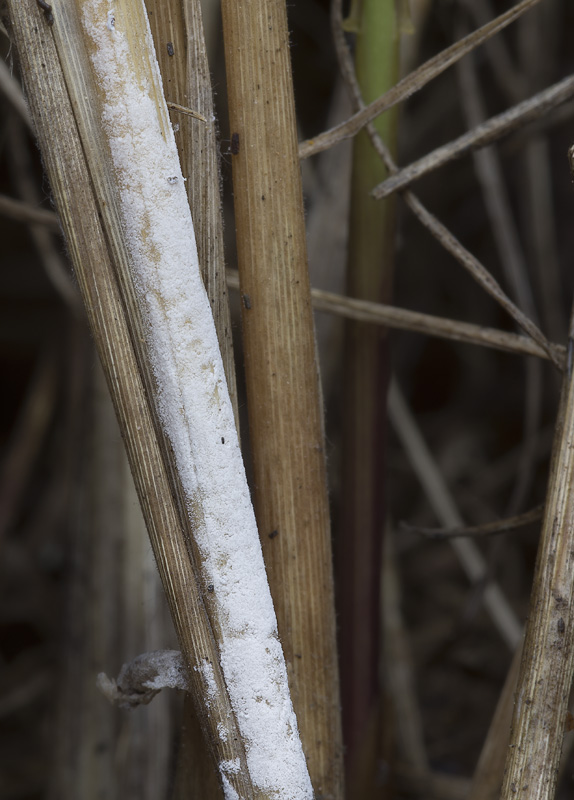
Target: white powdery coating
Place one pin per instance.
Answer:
(222, 731)
(230, 767)
(229, 792)
(209, 677)
(195, 408)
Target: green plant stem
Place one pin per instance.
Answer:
(369, 278)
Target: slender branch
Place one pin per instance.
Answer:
(413, 82)
(443, 505)
(427, 324)
(24, 212)
(283, 392)
(482, 135)
(479, 531)
(480, 274)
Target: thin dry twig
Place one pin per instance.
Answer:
(480, 274)
(189, 112)
(24, 212)
(404, 319)
(479, 531)
(412, 83)
(482, 135)
(443, 505)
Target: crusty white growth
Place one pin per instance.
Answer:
(228, 790)
(208, 676)
(194, 403)
(230, 767)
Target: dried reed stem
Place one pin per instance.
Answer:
(285, 414)
(548, 658)
(70, 134)
(480, 274)
(480, 136)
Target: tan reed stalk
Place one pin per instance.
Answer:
(547, 666)
(285, 415)
(64, 102)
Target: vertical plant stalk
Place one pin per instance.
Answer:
(369, 277)
(70, 182)
(189, 474)
(177, 30)
(547, 664)
(285, 414)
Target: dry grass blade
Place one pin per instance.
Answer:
(43, 49)
(413, 82)
(283, 393)
(403, 319)
(480, 274)
(479, 531)
(484, 134)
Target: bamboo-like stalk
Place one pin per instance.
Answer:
(369, 277)
(548, 657)
(174, 513)
(177, 30)
(285, 414)
(70, 182)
